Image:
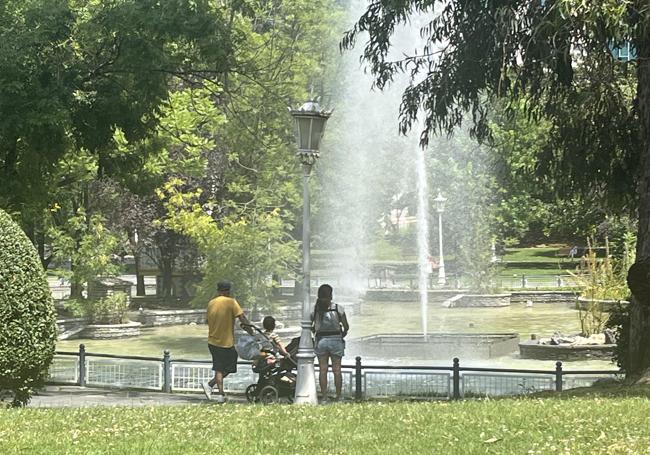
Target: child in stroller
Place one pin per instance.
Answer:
(275, 377)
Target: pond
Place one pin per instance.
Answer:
(189, 341)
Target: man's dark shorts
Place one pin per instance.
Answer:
(223, 359)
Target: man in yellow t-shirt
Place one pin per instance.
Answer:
(222, 312)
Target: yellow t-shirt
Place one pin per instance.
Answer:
(222, 312)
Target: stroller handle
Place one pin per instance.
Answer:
(254, 327)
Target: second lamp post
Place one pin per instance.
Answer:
(440, 207)
(310, 124)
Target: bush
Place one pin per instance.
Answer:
(109, 310)
(27, 317)
(600, 280)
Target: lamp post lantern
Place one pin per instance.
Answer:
(310, 122)
(440, 207)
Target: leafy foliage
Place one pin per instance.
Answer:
(129, 94)
(75, 72)
(27, 318)
(246, 248)
(600, 280)
(619, 322)
(603, 279)
(108, 310)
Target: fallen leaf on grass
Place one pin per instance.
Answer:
(491, 440)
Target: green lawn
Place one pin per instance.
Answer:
(535, 261)
(519, 271)
(579, 425)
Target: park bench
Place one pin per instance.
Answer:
(565, 253)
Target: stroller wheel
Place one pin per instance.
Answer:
(251, 393)
(269, 394)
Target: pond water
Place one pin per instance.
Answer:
(404, 317)
(189, 341)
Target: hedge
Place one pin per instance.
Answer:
(27, 318)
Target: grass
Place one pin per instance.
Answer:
(613, 423)
(511, 271)
(540, 254)
(535, 261)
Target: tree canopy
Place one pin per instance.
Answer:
(106, 102)
(553, 60)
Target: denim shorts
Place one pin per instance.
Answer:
(333, 346)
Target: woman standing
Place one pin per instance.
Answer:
(330, 325)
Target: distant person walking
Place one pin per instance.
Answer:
(221, 315)
(330, 326)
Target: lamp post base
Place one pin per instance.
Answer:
(442, 278)
(306, 379)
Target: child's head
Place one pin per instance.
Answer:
(269, 323)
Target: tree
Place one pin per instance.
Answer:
(75, 72)
(140, 92)
(529, 51)
(27, 318)
(244, 182)
(537, 205)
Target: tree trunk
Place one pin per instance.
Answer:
(639, 342)
(139, 278)
(76, 287)
(166, 270)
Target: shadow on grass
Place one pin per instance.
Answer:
(610, 389)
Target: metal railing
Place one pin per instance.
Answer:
(537, 281)
(360, 381)
(454, 281)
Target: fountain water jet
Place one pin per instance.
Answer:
(366, 167)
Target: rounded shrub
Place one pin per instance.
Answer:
(27, 317)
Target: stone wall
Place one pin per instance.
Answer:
(438, 346)
(106, 331)
(606, 305)
(66, 324)
(531, 349)
(478, 301)
(70, 327)
(408, 295)
(561, 297)
(104, 287)
(151, 318)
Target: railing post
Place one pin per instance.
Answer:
(167, 371)
(523, 281)
(456, 379)
(558, 376)
(82, 365)
(358, 393)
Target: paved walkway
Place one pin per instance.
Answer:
(78, 397)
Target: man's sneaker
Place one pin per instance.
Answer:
(219, 398)
(207, 390)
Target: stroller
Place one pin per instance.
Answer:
(276, 380)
